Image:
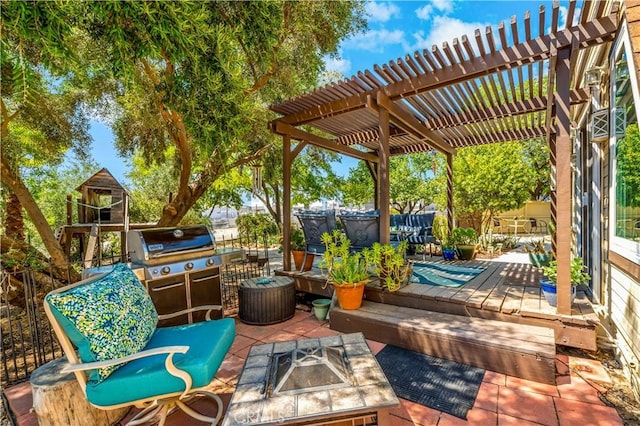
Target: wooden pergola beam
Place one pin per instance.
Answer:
(281, 128)
(412, 124)
(587, 34)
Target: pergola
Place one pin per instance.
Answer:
(486, 89)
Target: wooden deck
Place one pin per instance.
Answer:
(507, 292)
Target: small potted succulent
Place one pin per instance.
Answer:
(578, 276)
(390, 265)
(538, 254)
(347, 272)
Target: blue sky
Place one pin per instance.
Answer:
(396, 28)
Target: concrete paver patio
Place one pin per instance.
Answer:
(502, 400)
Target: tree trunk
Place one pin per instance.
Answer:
(175, 211)
(59, 400)
(16, 185)
(13, 221)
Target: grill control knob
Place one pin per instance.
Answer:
(188, 266)
(210, 262)
(154, 272)
(165, 270)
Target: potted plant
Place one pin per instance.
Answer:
(297, 246)
(347, 272)
(448, 250)
(578, 276)
(390, 265)
(538, 254)
(465, 241)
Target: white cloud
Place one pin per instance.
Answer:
(376, 40)
(563, 17)
(337, 65)
(443, 5)
(381, 12)
(445, 28)
(424, 12)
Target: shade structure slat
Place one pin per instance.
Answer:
(460, 57)
(541, 20)
(571, 10)
(503, 36)
(408, 72)
(421, 61)
(430, 60)
(555, 11)
(479, 43)
(514, 30)
(442, 62)
(490, 41)
(415, 67)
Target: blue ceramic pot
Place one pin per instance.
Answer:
(550, 291)
(448, 253)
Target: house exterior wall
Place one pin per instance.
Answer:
(621, 256)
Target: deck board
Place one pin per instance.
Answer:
(507, 292)
(514, 349)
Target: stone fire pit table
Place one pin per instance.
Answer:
(311, 381)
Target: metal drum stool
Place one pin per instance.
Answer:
(263, 301)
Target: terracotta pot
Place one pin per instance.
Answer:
(298, 258)
(349, 295)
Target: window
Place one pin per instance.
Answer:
(626, 160)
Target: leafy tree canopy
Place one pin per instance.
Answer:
(411, 183)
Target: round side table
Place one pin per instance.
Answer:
(262, 303)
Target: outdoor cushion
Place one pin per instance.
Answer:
(107, 318)
(209, 341)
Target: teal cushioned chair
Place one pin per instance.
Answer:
(173, 366)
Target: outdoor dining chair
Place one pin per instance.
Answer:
(361, 229)
(107, 328)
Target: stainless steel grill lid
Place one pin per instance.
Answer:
(146, 244)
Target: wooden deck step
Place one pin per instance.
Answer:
(518, 350)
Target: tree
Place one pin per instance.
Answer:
(489, 179)
(41, 114)
(411, 183)
(200, 75)
(628, 168)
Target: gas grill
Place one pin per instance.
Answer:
(167, 251)
(181, 268)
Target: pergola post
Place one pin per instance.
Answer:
(286, 201)
(562, 156)
(449, 190)
(383, 176)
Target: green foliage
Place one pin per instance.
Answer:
(489, 179)
(256, 226)
(200, 76)
(578, 271)
(390, 265)
(536, 246)
(411, 183)
(296, 239)
(440, 228)
(342, 266)
(152, 182)
(464, 236)
(628, 168)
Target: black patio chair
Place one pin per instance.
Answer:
(314, 224)
(497, 226)
(422, 226)
(362, 230)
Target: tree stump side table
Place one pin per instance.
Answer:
(58, 399)
(263, 301)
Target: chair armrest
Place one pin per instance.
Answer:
(208, 308)
(71, 368)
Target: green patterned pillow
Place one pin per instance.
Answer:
(107, 318)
